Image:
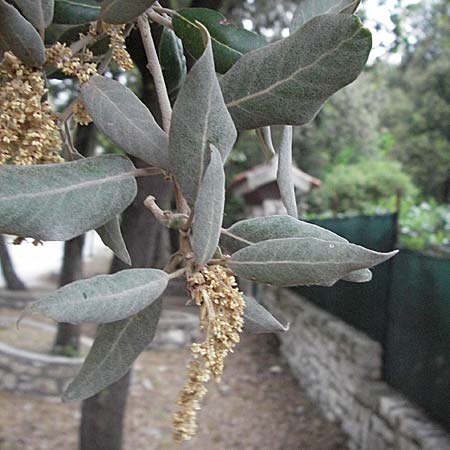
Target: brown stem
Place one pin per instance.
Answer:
(177, 273)
(147, 171)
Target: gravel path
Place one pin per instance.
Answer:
(258, 406)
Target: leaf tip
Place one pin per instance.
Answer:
(205, 33)
(27, 311)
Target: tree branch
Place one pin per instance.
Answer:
(155, 69)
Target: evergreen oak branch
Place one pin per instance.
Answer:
(155, 69)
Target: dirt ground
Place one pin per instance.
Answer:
(258, 406)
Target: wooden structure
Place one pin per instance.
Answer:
(259, 188)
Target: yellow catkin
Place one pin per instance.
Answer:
(29, 132)
(117, 45)
(222, 305)
(62, 58)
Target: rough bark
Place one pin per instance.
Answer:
(67, 339)
(102, 417)
(12, 280)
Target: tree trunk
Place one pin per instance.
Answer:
(103, 414)
(67, 341)
(102, 417)
(12, 280)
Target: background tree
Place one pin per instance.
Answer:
(12, 279)
(418, 105)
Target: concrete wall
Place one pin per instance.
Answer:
(340, 369)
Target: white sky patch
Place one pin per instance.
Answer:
(380, 14)
(247, 24)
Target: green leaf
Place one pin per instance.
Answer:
(119, 114)
(302, 261)
(123, 11)
(258, 320)
(111, 236)
(76, 12)
(308, 9)
(20, 37)
(104, 298)
(209, 210)
(172, 60)
(284, 174)
(38, 12)
(54, 32)
(115, 348)
(359, 276)
(323, 56)
(229, 42)
(56, 202)
(251, 231)
(199, 119)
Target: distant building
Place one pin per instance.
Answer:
(259, 188)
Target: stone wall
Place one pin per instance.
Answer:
(19, 299)
(340, 369)
(35, 373)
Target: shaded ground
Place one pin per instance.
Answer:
(258, 406)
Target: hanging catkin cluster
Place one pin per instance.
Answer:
(62, 57)
(215, 291)
(117, 45)
(29, 133)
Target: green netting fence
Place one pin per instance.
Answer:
(406, 307)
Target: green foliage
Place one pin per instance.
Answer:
(302, 261)
(38, 12)
(65, 200)
(351, 187)
(283, 83)
(418, 107)
(103, 298)
(229, 42)
(19, 36)
(424, 225)
(200, 100)
(209, 204)
(115, 348)
(173, 61)
(76, 12)
(259, 320)
(252, 231)
(123, 11)
(119, 114)
(287, 96)
(111, 236)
